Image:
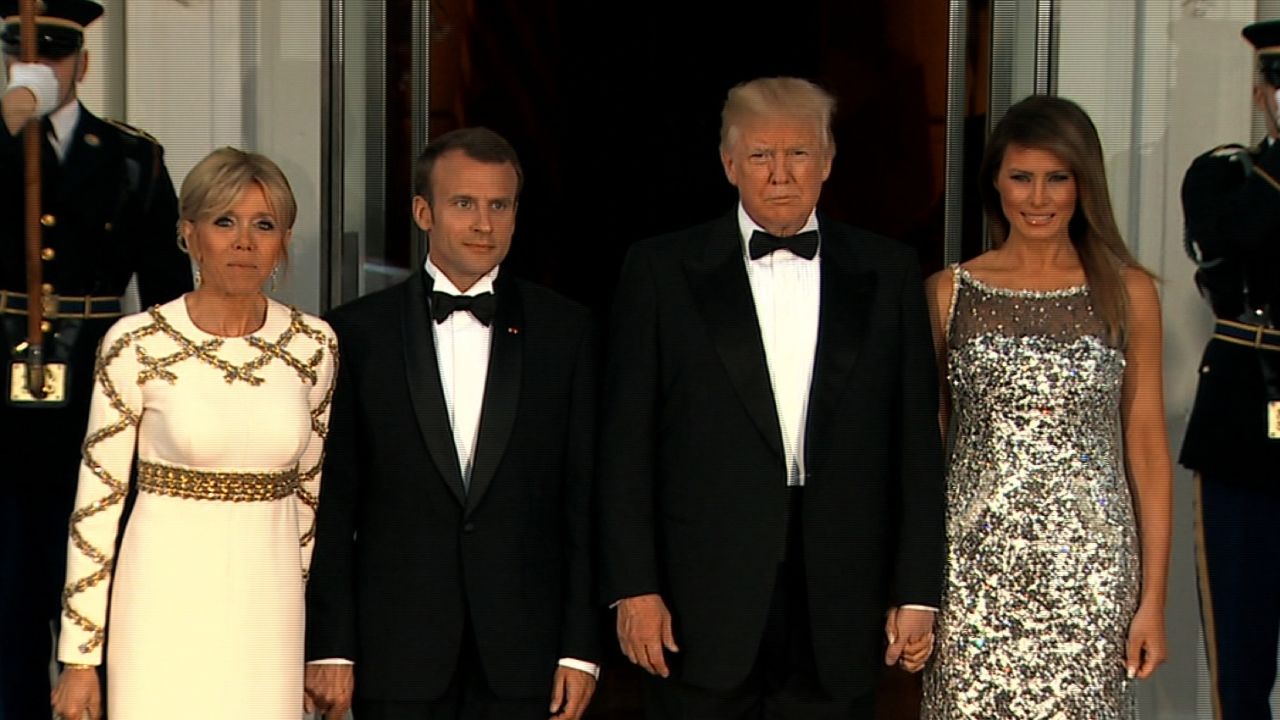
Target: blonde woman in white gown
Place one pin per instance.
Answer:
(223, 394)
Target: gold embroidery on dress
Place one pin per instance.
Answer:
(158, 368)
(206, 352)
(118, 488)
(317, 426)
(223, 486)
(321, 430)
(312, 502)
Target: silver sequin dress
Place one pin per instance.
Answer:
(1042, 551)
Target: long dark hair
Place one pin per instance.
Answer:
(1059, 126)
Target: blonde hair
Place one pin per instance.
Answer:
(776, 97)
(215, 184)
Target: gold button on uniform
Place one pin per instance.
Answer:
(107, 227)
(45, 326)
(47, 254)
(48, 220)
(47, 289)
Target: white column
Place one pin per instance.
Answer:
(246, 74)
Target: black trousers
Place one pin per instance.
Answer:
(1238, 564)
(783, 683)
(468, 697)
(37, 491)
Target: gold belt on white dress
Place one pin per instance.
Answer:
(216, 485)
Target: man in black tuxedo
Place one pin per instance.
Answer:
(452, 560)
(770, 472)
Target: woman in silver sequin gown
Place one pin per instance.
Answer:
(1057, 556)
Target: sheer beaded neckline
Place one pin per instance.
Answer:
(1068, 291)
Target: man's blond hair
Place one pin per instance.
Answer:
(774, 98)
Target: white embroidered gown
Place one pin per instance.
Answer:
(206, 614)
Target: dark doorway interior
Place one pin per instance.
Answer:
(614, 109)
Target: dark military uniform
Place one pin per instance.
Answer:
(109, 211)
(1231, 201)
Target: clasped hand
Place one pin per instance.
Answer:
(645, 634)
(910, 635)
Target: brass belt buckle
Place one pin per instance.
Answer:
(55, 386)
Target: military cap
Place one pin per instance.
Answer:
(59, 25)
(1265, 38)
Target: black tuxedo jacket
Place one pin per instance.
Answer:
(404, 557)
(692, 479)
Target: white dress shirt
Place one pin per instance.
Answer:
(462, 353)
(64, 121)
(786, 289)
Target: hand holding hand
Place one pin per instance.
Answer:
(328, 689)
(77, 696)
(910, 635)
(644, 630)
(571, 692)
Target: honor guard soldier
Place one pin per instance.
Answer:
(108, 212)
(1231, 202)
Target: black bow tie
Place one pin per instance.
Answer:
(482, 306)
(804, 244)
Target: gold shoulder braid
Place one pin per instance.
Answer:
(128, 129)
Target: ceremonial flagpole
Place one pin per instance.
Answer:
(31, 148)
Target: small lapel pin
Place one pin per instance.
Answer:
(92, 140)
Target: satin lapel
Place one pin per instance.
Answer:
(846, 298)
(423, 380)
(501, 389)
(722, 294)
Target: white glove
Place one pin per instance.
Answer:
(40, 80)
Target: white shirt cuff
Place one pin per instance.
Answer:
(573, 663)
(930, 608)
(586, 667)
